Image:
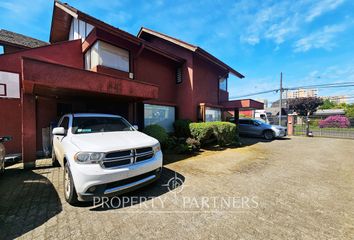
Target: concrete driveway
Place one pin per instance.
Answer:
(298, 188)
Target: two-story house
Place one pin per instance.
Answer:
(90, 66)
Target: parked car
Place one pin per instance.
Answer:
(257, 128)
(3, 153)
(103, 155)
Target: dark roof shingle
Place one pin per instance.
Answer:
(20, 40)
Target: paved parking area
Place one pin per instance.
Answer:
(300, 188)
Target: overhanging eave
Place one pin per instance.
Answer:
(54, 78)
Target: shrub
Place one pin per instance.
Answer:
(224, 132)
(182, 128)
(314, 122)
(171, 142)
(201, 131)
(193, 144)
(181, 148)
(335, 122)
(158, 132)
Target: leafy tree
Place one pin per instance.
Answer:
(349, 110)
(328, 104)
(305, 107)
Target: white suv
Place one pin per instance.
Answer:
(103, 155)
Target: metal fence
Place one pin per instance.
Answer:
(274, 120)
(300, 130)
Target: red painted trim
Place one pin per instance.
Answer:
(155, 102)
(55, 76)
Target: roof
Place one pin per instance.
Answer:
(243, 104)
(189, 47)
(63, 13)
(328, 112)
(19, 40)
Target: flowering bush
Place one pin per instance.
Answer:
(335, 122)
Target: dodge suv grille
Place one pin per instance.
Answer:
(121, 158)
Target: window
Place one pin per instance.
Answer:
(3, 90)
(245, 121)
(102, 53)
(179, 75)
(79, 29)
(161, 115)
(212, 114)
(83, 125)
(1, 50)
(223, 83)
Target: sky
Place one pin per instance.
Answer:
(310, 41)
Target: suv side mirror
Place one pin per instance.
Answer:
(136, 127)
(58, 131)
(5, 139)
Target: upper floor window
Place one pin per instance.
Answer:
(79, 29)
(104, 54)
(223, 83)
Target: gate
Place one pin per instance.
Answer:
(300, 130)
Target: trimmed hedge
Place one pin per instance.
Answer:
(225, 133)
(181, 127)
(158, 132)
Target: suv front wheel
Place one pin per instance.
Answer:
(69, 188)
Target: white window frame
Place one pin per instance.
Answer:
(79, 29)
(96, 56)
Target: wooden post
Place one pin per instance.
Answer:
(29, 128)
(290, 125)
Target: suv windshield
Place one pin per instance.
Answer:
(99, 124)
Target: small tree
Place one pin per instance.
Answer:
(305, 107)
(349, 110)
(328, 104)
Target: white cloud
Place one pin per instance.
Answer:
(278, 21)
(279, 31)
(322, 7)
(323, 38)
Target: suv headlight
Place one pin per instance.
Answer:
(156, 148)
(89, 157)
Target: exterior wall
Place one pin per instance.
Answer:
(184, 90)
(67, 53)
(11, 49)
(155, 69)
(46, 111)
(247, 113)
(10, 123)
(200, 81)
(206, 82)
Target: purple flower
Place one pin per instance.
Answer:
(337, 121)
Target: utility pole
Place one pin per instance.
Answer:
(281, 97)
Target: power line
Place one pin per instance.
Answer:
(327, 85)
